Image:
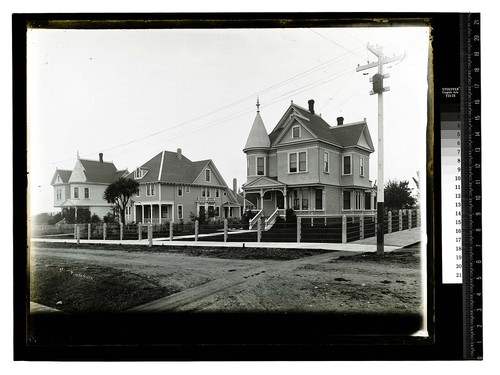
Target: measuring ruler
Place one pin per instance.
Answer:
(471, 187)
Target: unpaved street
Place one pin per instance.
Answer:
(330, 282)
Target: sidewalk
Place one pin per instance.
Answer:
(392, 241)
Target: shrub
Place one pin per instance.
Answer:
(290, 216)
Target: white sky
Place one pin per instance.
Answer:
(133, 93)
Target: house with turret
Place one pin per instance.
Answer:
(308, 165)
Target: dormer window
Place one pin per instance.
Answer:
(58, 178)
(296, 132)
(139, 173)
(208, 175)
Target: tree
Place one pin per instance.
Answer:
(120, 193)
(397, 195)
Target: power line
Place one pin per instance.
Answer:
(337, 44)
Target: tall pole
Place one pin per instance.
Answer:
(378, 89)
(380, 177)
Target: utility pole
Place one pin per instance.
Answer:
(378, 88)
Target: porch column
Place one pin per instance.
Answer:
(285, 199)
(261, 199)
(244, 202)
(151, 212)
(197, 208)
(142, 208)
(134, 212)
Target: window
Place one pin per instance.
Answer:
(179, 191)
(150, 189)
(296, 200)
(361, 167)
(305, 203)
(292, 163)
(180, 212)
(188, 189)
(326, 162)
(58, 178)
(217, 193)
(139, 173)
(260, 166)
(319, 199)
(208, 192)
(86, 193)
(368, 200)
(347, 200)
(225, 193)
(358, 200)
(248, 166)
(217, 211)
(207, 175)
(346, 165)
(203, 192)
(267, 196)
(58, 194)
(302, 162)
(296, 132)
(75, 193)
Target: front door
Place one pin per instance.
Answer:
(280, 201)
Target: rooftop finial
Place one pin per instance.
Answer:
(258, 105)
(77, 154)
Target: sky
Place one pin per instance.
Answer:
(132, 93)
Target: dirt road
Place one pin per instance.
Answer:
(334, 282)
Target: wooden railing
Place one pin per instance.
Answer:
(271, 220)
(254, 220)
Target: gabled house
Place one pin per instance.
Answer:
(308, 165)
(172, 187)
(83, 187)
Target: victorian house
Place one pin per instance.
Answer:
(172, 187)
(83, 187)
(308, 165)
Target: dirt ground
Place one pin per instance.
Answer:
(240, 280)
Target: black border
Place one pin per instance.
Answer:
(248, 336)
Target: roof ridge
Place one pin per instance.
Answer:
(346, 125)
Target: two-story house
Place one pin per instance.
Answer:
(172, 187)
(83, 187)
(308, 165)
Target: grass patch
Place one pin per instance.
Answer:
(71, 287)
(246, 253)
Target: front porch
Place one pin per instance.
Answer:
(153, 213)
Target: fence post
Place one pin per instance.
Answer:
(104, 231)
(418, 217)
(361, 227)
(150, 235)
(171, 230)
(89, 231)
(78, 235)
(400, 220)
(139, 229)
(74, 231)
(344, 229)
(225, 230)
(299, 229)
(409, 219)
(389, 222)
(312, 222)
(121, 231)
(376, 222)
(196, 227)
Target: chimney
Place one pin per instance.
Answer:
(340, 120)
(235, 186)
(100, 157)
(311, 106)
(179, 154)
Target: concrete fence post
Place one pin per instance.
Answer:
(400, 220)
(259, 230)
(89, 231)
(121, 231)
(344, 229)
(299, 229)
(361, 227)
(139, 230)
(78, 235)
(312, 222)
(104, 229)
(389, 222)
(409, 219)
(150, 235)
(196, 229)
(74, 231)
(225, 230)
(171, 230)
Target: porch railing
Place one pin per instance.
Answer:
(254, 220)
(271, 220)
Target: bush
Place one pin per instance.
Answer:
(95, 219)
(109, 218)
(290, 216)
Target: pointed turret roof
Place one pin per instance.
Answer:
(258, 137)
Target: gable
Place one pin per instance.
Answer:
(208, 170)
(263, 182)
(61, 176)
(288, 132)
(363, 141)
